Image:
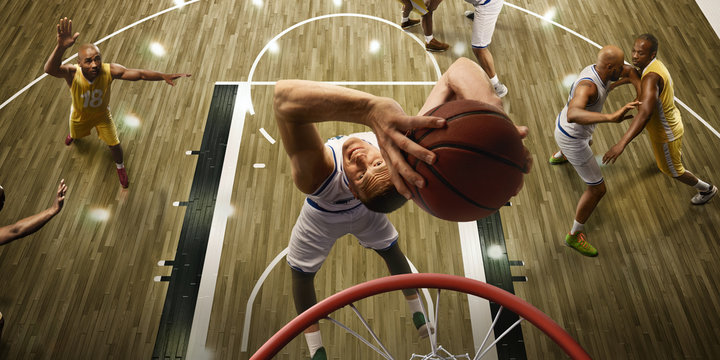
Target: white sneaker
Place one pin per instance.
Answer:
(424, 331)
(470, 14)
(705, 196)
(500, 89)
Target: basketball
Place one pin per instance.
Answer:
(480, 161)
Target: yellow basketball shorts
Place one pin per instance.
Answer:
(418, 6)
(80, 127)
(668, 157)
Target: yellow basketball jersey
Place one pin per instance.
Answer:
(90, 99)
(665, 124)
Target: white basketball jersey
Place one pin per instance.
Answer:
(334, 195)
(575, 130)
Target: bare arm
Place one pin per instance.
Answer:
(120, 72)
(65, 39)
(649, 98)
(299, 104)
(629, 76)
(33, 223)
(584, 92)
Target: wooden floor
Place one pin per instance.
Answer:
(82, 287)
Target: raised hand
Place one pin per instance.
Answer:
(390, 124)
(619, 116)
(60, 197)
(612, 154)
(65, 37)
(170, 77)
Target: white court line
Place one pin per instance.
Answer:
(278, 36)
(206, 291)
(253, 294)
(96, 43)
(261, 280)
(267, 136)
(480, 316)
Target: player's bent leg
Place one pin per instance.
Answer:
(397, 264)
(117, 154)
(577, 239)
(304, 297)
(706, 191)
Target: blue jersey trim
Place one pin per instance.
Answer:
(486, 2)
(563, 130)
(596, 183)
(598, 76)
(318, 207)
(327, 181)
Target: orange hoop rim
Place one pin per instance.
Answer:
(422, 281)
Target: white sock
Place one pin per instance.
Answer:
(577, 227)
(558, 154)
(494, 80)
(314, 341)
(702, 186)
(120, 165)
(428, 38)
(404, 19)
(414, 305)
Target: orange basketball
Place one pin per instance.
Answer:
(480, 161)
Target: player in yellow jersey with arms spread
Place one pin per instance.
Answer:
(662, 119)
(89, 83)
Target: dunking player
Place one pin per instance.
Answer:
(662, 119)
(89, 83)
(349, 179)
(575, 125)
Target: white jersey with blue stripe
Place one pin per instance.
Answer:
(579, 131)
(334, 195)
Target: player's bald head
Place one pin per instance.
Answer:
(87, 50)
(610, 54)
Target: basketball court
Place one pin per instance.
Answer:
(116, 273)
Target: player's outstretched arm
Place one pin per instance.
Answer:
(33, 223)
(120, 72)
(65, 39)
(584, 92)
(649, 99)
(300, 103)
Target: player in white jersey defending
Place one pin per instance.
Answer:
(574, 127)
(352, 180)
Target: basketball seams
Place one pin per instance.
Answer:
(456, 191)
(482, 139)
(459, 116)
(481, 152)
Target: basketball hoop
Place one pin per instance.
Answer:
(423, 281)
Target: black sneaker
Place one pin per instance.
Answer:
(410, 23)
